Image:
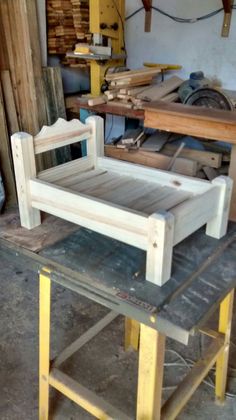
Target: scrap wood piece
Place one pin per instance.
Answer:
(210, 173)
(132, 74)
(204, 157)
(97, 101)
(6, 167)
(55, 105)
(171, 97)
(174, 157)
(161, 89)
(215, 124)
(154, 160)
(156, 141)
(49, 232)
(9, 101)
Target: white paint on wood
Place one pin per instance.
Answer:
(196, 186)
(95, 147)
(114, 221)
(160, 247)
(61, 133)
(217, 227)
(67, 169)
(25, 169)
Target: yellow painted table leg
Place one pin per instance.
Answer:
(44, 342)
(225, 320)
(150, 375)
(132, 331)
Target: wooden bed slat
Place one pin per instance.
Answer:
(68, 169)
(162, 178)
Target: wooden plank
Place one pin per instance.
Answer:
(150, 373)
(11, 115)
(55, 106)
(6, 158)
(66, 170)
(88, 400)
(149, 174)
(196, 121)
(204, 157)
(154, 160)
(161, 89)
(171, 97)
(132, 74)
(194, 213)
(52, 230)
(114, 221)
(21, 33)
(97, 101)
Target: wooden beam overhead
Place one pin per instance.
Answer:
(227, 4)
(148, 14)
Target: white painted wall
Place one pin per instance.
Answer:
(197, 46)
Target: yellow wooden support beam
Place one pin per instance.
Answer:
(44, 342)
(225, 321)
(150, 374)
(132, 331)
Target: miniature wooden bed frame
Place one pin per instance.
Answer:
(148, 208)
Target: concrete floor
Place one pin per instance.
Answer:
(102, 365)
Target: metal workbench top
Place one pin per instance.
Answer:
(113, 274)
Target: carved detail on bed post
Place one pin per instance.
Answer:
(25, 169)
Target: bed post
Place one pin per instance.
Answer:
(25, 169)
(160, 247)
(95, 146)
(217, 227)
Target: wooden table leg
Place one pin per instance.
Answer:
(44, 342)
(132, 332)
(232, 174)
(150, 375)
(225, 320)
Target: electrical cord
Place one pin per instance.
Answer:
(179, 19)
(188, 363)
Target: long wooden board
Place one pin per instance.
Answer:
(6, 167)
(208, 123)
(153, 160)
(161, 89)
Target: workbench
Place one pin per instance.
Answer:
(74, 104)
(113, 274)
(206, 123)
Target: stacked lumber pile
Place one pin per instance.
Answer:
(164, 150)
(27, 93)
(68, 21)
(132, 89)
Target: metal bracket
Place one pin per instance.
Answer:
(227, 4)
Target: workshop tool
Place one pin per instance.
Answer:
(106, 19)
(196, 81)
(209, 98)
